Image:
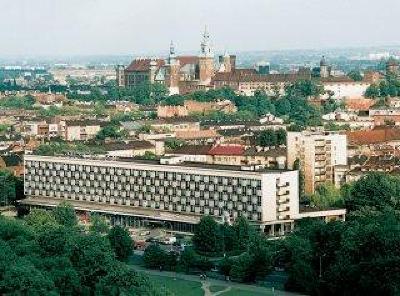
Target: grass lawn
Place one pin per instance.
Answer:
(238, 292)
(178, 287)
(214, 289)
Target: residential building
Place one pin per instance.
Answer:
(80, 130)
(318, 154)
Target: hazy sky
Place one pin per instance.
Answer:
(60, 27)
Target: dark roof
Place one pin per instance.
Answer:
(280, 151)
(339, 79)
(127, 146)
(143, 64)
(12, 160)
(193, 149)
(227, 150)
(85, 122)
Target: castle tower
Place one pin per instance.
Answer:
(206, 60)
(153, 70)
(225, 64)
(324, 68)
(172, 71)
(120, 75)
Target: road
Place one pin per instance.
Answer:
(249, 288)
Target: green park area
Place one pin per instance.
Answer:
(178, 286)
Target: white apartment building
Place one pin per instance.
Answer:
(178, 193)
(318, 153)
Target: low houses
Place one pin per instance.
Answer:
(387, 116)
(80, 130)
(47, 100)
(378, 141)
(131, 149)
(233, 154)
(358, 104)
(41, 129)
(191, 106)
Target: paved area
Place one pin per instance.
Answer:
(213, 282)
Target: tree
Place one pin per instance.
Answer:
(327, 195)
(241, 267)
(377, 190)
(154, 256)
(243, 233)
(355, 75)
(65, 215)
(367, 262)
(372, 91)
(7, 188)
(188, 259)
(225, 266)
(109, 131)
(206, 237)
(267, 138)
(283, 107)
(58, 260)
(38, 218)
(23, 278)
(121, 242)
(297, 166)
(281, 137)
(53, 241)
(122, 280)
(98, 224)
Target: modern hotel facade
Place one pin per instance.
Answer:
(174, 193)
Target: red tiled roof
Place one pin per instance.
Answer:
(227, 150)
(143, 64)
(359, 103)
(374, 136)
(184, 60)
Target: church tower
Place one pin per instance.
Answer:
(172, 71)
(206, 60)
(323, 68)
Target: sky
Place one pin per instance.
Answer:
(86, 27)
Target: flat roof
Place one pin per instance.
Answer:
(185, 164)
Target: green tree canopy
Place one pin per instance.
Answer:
(121, 242)
(207, 237)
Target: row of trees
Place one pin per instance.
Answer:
(389, 87)
(269, 138)
(49, 254)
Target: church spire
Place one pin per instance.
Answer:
(172, 49)
(205, 45)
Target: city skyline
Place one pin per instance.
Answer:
(102, 27)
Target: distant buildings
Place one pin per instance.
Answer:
(180, 74)
(318, 153)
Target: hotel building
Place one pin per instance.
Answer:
(170, 192)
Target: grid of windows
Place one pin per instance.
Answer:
(155, 189)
